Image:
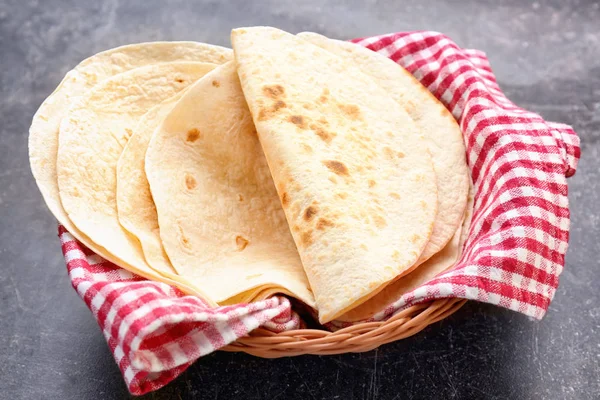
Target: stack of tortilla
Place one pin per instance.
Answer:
(292, 164)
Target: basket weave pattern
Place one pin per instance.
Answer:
(353, 339)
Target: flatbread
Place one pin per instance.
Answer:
(135, 205)
(351, 168)
(443, 135)
(91, 140)
(43, 133)
(220, 219)
(440, 262)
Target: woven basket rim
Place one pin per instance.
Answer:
(353, 339)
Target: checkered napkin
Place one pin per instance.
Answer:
(512, 257)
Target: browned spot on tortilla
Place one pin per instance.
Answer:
(179, 80)
(336, 167)
(342, 195)
(323, 223)
(185, 242)
(420, 178)
(193, 135)
(264, 113)
(323, 97)
(306, 238)
(410, 107)
(379, 221)
(306, 148)
(241, 242)
(243, 76)
(310, 212)
(414, 238)
(351, 110)
(273, 91)
(323, 121)
(395, 195)
(423, 204)
(285, 199)
(308, 106)
(400, 154)
(298, 120)
(216, 83)
(277, 75)
(333, 179)
(190, 182)
(371, 183)
(322, 133)
(389, 153)
(389, 134)
(396, 255)
(296, 228)
(129, 132)
(278, 104)
(364, 246)
(240, 197)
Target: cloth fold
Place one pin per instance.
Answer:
(513, 256)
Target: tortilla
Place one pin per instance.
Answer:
(440, 262)
(91, 140)
(351, 168)
(135, 205)
(43, 133)
(220, 219)
(443, 135)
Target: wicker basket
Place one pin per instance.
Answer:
(354, 339)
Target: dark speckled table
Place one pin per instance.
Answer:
(546, 57)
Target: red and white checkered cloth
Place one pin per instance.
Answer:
(513, 255)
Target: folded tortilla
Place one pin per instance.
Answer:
(442, 134)
(440, 262)
(135, 205)
(91, 139)
(351, 168)
(221, 222)
(43, 134)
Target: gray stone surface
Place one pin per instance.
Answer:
(545, 55)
